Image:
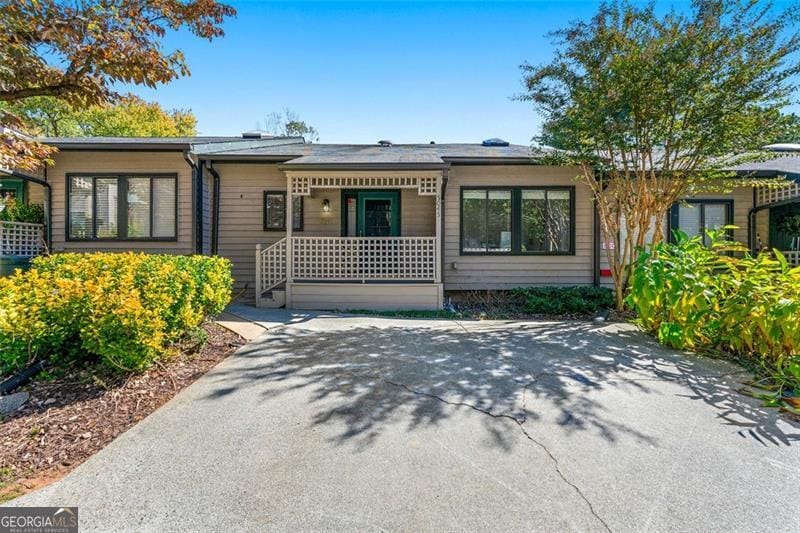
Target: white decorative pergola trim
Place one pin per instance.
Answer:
(770, 195)
(426, 183)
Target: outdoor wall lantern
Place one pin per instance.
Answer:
(326, 205)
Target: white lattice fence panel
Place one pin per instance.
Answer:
(770, 195)
(21, 239)
(793, 257)
(364, 258)
(273, 265)
(426, 185)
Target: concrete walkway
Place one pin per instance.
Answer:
(352, 423)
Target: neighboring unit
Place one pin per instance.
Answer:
(382, 226)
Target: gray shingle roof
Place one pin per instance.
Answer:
(293, 151)
(149, 143)
(343, 154)
(788, 165)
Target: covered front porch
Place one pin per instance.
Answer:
(775, 220)
(362, 240)
(24, 202)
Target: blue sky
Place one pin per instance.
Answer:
(359, 71)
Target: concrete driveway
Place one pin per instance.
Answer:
(348, 423)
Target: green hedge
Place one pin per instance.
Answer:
(694, 297)
(125, 309)
(564, 300)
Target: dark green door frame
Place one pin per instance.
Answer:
(393, 197)
(360, 196)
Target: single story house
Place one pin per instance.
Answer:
(338, 226)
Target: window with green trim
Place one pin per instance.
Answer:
(517, 220)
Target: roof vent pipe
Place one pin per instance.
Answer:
(384, 142)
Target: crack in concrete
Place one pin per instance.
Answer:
(553, 459)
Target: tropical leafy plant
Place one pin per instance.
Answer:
(701, 298)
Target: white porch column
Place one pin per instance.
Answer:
(438, 251)
(289, 243)
(258, 275)
(289, 225)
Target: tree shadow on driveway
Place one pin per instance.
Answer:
(360, 376)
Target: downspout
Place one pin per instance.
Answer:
(596, 241)
(445, 178)
(197, 185)
(751, 222)
(48, 212)
(596, 244)
(214, 210)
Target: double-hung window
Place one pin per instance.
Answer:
(275, 211)
(517, 220)
(695, 217)
(134, 207)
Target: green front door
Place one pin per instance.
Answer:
(378, 214)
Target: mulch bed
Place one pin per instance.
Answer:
(71, 417)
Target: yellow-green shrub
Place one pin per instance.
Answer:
(694, 297)
(125, 308)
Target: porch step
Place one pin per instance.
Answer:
(273, 298)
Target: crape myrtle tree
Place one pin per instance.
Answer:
(652, 106)
(76, 51)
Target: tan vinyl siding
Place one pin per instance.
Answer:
(398, 296)
(742, 203)
(417, 214)
(110, 162)
(762, 228)
(506, 271)
(208, 190)
(316, 222)
(35, 193)
(241, 224)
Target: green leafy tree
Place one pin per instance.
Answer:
(787, 129)
(129, 116)
(77, 51)
(133, 117)
(288, 123)
(651, 107)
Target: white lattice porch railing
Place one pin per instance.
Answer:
(271, 263)
(793, 257)
(770, 195)
(364, 258)
(21, 239)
